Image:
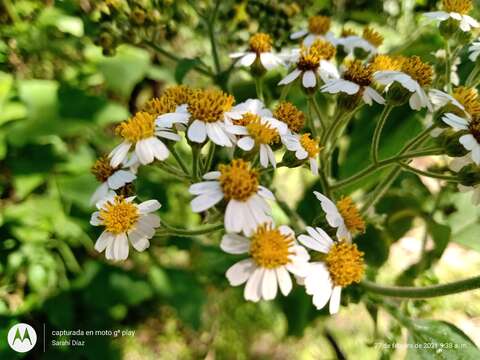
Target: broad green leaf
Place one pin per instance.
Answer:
(375, 246)
(465, 221)
(432, 339)
(183, 67)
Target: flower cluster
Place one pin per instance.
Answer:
(236, 146)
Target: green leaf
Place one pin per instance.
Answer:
(183, 67)
(440, 234)
(465, 222)
(432, 339)
(375, 246)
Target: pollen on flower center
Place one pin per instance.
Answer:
(310, 56)
(386, 63)
(269, 247)
(119, 216)
(179, 93)
(102, 169)
(468, 97)
(319, 25)
(418, 70)
(138, 127)
(358, 73)
(260, 43)
(238, 180)
(209, 105)
(290, 115)
(350, 214)
(159, 106)
(459, 6)
(347, 32)
(246, 119)
(310, 145)
(262, 132)
(372, 36)
(345, 264)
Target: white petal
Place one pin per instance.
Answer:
(235, 244)
(95, 219)
(139, 240)
(309, 79)
(298, 34)
(206, 201)
(340, 85)
(217, 134)
(99, 194)
(265, 193)
(269, 60)
(263, 156)
(120, 247)
(238, 273)
(159, 149)
(212, 175)
(119, 153)
(269, 285)
(233, 217)
(373, 94)
(120, 178)
(149, 206)
(248, 59)
(167, 120)
(252, 289)
(205, 187)
(246, 143)
(335, 300)
(197, 131)
(103, 241)
(284, 280)
(144, 152)
(468, 141)
(290, 77)
(455, 121)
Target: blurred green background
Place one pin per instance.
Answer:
(71, 70)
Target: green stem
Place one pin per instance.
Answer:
(428, 173)
(180, 161)
(411, 292)
(10, 9)
(473, 74)
(184, 232)
(310, 122)
(378, 132)
(295, 219)
(448, 65)
(285, 91)
(172, 171)
(381, 189)
(210, 155)
(317, 110)
(259, 87)
(211, 34)
(195, 162)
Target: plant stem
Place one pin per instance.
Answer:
(428, 173)
(381, 189)
(448, 66)
(284, 93)
(259, 87)
(378, 132)
(180, 161)
(316, 108)
(195, 162)
(423, 292)
(295, 219)
(10, 9)
(210, 155)
(211, 35)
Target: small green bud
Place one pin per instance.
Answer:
(397, 95)
(449, 27)
(469, 175)
(449, 140)
(349, 102)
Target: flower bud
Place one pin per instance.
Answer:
(464, 37)
(349, 102)
(257, 69)
(448, 27)
(397, 95)
(469, 175)
(449, 140)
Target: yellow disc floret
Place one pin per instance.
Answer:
(310, 145)
(319, 25)
(246, 119)
(459, 6)
(345, 264)
(290, 115)
(209, 105)
(270, 248)
(260, 43)
(262, 132)
(159, 106)
(179, 93)
(102, 169)
(347, 32)
(386, 63)
(238, 180)
(470, 100)
(138, 127)
(358, 73)
(418, 70)
(372, 36)
(350, 214)
(119, 216)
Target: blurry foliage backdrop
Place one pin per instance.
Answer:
(69, 71)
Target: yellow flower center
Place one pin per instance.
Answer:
(459, 6)
(290, 115)
(159, 106)
(358, 73)
(350, 214)
(102, 169)
(119, 216)
(319, 25)
(418, 70)
(372, 36)
(138, 127)
(238, 180)
(260, 43)
(386, 63)
(246, 119)
(347, 32)
(310, 145)
(345, 264)
(310, 56)
(468, 97)
(209, 105)
(269, 248)
(262, 132)
(179, 93)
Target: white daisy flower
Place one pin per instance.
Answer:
(318, 27)
(305, 148)
(474, 50)
(439, 99)
(414, 77)
(238, 184)
(110, 178)
(274, 253)
(456, 10)
(356, 79)
(140, 131)
(209, 110)
(179, 118)
(471, 140)
(313, 62)
(344, 216)
(124, 221)
(343, 265)
(260, 49)
(369, 42)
